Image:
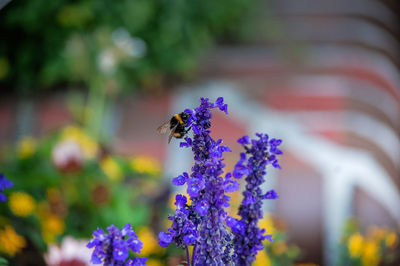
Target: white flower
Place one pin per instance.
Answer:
(68, 156)
(107, 61)
(72, 252)
(133, 46)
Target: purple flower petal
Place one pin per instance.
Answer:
(180, 201)
(179, 180)
(202, 207)
(164, 239)
(120, 251)
(189, 239)
(231, 185)
(271, 195)
(4, 182)
(244, 140)
(136, 262)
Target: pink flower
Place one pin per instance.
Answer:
(71, 252)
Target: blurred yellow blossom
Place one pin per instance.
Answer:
(146, 165)
(21, 204)
(10, 241)
(356, 242)
(111, 168)
(150, 243)
(391, 240)
(154, 262)
(233, 213)
(52, 225)
(262, 259)
(88, 145)
(26, 147)
(370, 254)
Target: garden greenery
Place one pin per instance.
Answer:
(135, 43)
(66, 184)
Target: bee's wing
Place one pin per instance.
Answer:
(171, 133)
(163, 128)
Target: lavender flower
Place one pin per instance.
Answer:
(112, 249)
(182, 231)
(248, 236)
(206, 188)
(4, 183)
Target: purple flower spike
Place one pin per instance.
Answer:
(202, 223)
(113, 248)
(248, 236)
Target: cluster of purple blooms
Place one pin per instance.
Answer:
(112, 249)
(203, 223)
(248, 236)
(4, 183)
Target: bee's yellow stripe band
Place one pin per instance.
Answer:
(179, 118)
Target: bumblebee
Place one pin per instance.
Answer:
(176, 126)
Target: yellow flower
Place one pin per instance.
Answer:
(21, 204)
(146, 165)
(52, 225)
(391, 240)
(10, 241)
(111, 168)
(356, 243)
(154, 262)
(150, 243)
(262, 259)
(370, 254)
(26, 147)
(88, 145)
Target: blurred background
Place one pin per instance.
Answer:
(84, 84)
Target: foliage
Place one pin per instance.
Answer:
(134, 43)
(379, 246)
(279, 252)
(67, 184)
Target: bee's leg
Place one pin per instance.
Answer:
(187, 130)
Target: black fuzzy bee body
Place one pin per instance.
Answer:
(176, 126)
